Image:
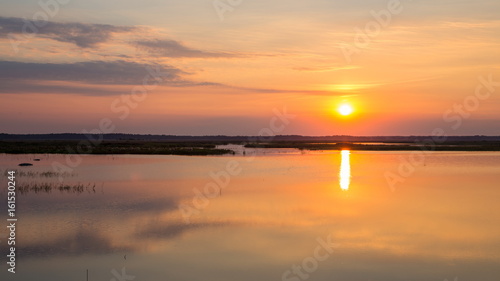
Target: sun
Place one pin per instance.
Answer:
(345, 109)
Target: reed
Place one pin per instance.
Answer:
(36, 187)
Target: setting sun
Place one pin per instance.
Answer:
(345, 109)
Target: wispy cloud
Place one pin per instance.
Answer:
(325, 69)
(99, 78)
(51, 87)
(93, 72)
(174, 49)
(94, 78)
(81, 34)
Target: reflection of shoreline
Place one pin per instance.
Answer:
(345, 170)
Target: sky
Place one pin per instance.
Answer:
(241, 67)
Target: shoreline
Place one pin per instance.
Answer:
(211, 148)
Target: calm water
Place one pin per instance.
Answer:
(282, 216)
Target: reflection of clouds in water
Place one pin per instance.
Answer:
(169, 230)
(116, 204)
(379, 264)
(83, 242)
(90, 241)
(89, 237)
(150, 205)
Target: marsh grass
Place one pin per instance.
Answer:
(35, 174)
(25, 188)
(40, 182)
(113, 147)
(447, 146)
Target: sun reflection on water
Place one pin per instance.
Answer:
(345, 170)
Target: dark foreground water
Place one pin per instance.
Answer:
(277, 216)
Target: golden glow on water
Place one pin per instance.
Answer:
(345, 170)
(447, 220)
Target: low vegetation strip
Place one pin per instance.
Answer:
(113, 147)
(448, 146)
(210, 148)
(36, 187)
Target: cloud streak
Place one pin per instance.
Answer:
(86, 78)
(81, 34)
(173, 49)
(93, 72)
(86, 35)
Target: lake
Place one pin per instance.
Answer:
(279, 215)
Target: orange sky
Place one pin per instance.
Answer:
(401, 65)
